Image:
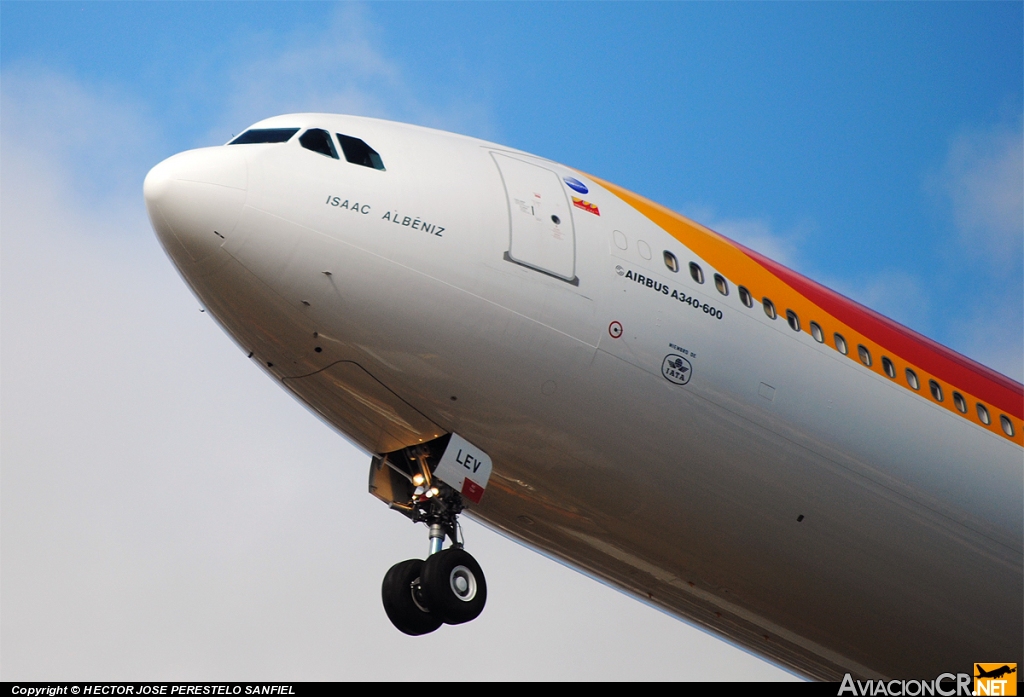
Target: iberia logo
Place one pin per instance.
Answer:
(585, 205)
(995, 679)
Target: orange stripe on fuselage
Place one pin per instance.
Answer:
(836, 313)
(990, 387)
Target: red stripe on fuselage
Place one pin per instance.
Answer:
(993, 388)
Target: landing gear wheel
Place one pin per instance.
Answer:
(454, 586)
(404, 608)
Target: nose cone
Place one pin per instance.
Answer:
(194, 200)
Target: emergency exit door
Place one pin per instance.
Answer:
(542, 234)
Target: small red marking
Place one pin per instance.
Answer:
(472, 491)
(615, 330)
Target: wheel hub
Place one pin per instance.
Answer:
(463, 583)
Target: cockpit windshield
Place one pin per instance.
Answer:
(359, 153)
(265, 135)
(318, 140)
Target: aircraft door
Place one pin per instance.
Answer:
(542, 235)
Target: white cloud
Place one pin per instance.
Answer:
(756, 233)
(981, 187)
(982, 184)
(337, 68)
(995, 339)
(93, 142)
(983, 179)
(894, 293)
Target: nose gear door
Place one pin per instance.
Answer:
(542, 235)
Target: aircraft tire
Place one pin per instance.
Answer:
(454, 585)
(400, 605)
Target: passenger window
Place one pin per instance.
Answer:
(745, 297)
(936, 389)
(912, 379)
(696, 273)
(794, 321)
(644, 249)
(1006, 424)
(959, 402)
(983, 416)
(816, 332)
(265, 135)
(319, 141)
(865, 355)
(359, 153)
(721, 284)
(840, 343)
(671, 262)
(769, 308)
(888, 367)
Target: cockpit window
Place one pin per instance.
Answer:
(265, 135)
(318, 140)
(359, 153)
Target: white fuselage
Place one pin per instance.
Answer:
(783, 495)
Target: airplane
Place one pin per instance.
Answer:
(616, 386)
(995, 672)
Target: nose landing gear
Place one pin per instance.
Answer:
(449, 586)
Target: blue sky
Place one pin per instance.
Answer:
(831, 130)
(876, 147)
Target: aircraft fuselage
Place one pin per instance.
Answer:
(649, 423)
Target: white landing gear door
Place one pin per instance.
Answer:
(464, 467)
(542, 235)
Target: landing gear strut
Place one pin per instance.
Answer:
(449, 586)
